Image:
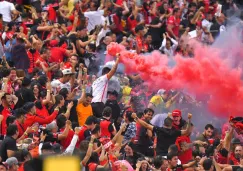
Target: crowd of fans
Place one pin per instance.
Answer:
(60, 98)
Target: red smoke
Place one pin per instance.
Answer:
(205, 74)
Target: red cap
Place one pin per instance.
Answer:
(53, 43)
(176, 113)
(9, 35)
(67, 65)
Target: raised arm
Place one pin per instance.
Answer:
(114, 68)
(187, 131)
(141, 122)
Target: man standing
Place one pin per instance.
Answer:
(8, 102)
(100, 88)
(7, 9)
(8, 146)
(166, 134)
(84, 109)
(207, 133)
(143, 139)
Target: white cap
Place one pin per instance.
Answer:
(67, 71)
(161, 91)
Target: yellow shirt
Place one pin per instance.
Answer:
(158, 102)
(83, 113)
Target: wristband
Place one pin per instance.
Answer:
(90, 145)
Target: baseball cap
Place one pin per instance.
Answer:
(47, 146)
(67, 71)
(9, 35)
(176, 113)
(235, 141)
(12, 161)
(161, 92)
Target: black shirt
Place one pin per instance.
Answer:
(24, 95)
(235, 168)
(165, 138)
(9, 143)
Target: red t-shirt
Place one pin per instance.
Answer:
(42, 112)
(66, 142)
(6, 112)
(139, 43)
(131, 23)
(172, 20)
(57, 54)
(118, 24)
(186, 156)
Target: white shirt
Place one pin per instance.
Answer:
(6, 9)
(95, 18)
(99, 89)
(57, 85)
(207, 24)
(169, 52)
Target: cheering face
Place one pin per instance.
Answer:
(9, 100)
(174, 161)
(128, 151)
(176, 120)
(148, 116)
(238, 152)
(208, 133)
(13, 75)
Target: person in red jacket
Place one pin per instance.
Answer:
(106, 126)
(32, 117)
(8, 102)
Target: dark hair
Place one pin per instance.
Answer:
(89, 95)
(107, 112)
(84, 145)
(35, 84)
(10, 120)
(209, 126)
(192, 4)
(128, 115)
(19, 112)
(21, 154)
(173, 149)
(175, 10)
(58, 98)
(61, 121)
(158, 161)
(63, 92)
(139, 28)
(91, 120)
(38, 104)
(44, 50)
(34, 165)
(148, 110)
(96, 129)
(171, 155)
(105, 70)
(12, 129)
(5, 96)
(168, 122)
(207, 164)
